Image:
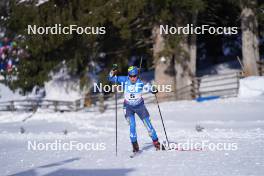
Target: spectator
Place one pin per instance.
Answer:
(10, 55)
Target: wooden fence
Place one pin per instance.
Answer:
(261, 68)
(33, 104)
(223, 85)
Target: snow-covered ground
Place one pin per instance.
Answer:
(234, 124)
(232, 121)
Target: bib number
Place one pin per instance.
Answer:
(132, 96)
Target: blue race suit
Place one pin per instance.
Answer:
(134, 103)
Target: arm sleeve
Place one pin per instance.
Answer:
(117, 79)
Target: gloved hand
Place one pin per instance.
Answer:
(113, 71)
(114, 67)
(154, 89)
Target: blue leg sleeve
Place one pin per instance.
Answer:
(132, 124)
(151, 130)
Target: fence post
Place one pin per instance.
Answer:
(12, 106)
(198, 87)
(55, 103)
(101, 103)
(88, 100)
(176, 94)
(260, 67)
(34, 105)
(238, 75)
(194, 87)
(77, 104)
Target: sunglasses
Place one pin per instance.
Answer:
(132, 76)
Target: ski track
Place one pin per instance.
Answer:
(233, 120)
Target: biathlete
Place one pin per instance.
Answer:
(134, 103)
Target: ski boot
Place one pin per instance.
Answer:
(135, 147)
(156, 144)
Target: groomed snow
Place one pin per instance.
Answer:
(251, 86)
(233, 120)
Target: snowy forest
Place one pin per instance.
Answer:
(132, 32)
(209, 54)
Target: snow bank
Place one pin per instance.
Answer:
(7, 94)
(251, 87)
(227, 67)
(56, 89)
(222, 68)
(63, 88)
(64, 91)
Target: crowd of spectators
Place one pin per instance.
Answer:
(10, 55)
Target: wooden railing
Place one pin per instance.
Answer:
(223, 85)
(261, 68)
(99, 101)
(33, 104)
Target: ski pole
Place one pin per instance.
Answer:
(116, 113)
(162, 119)
(140, 64)
(139, 69)
(114, 68)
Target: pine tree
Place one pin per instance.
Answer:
(249, 27)
(249, 13)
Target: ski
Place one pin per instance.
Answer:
(133, 155)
